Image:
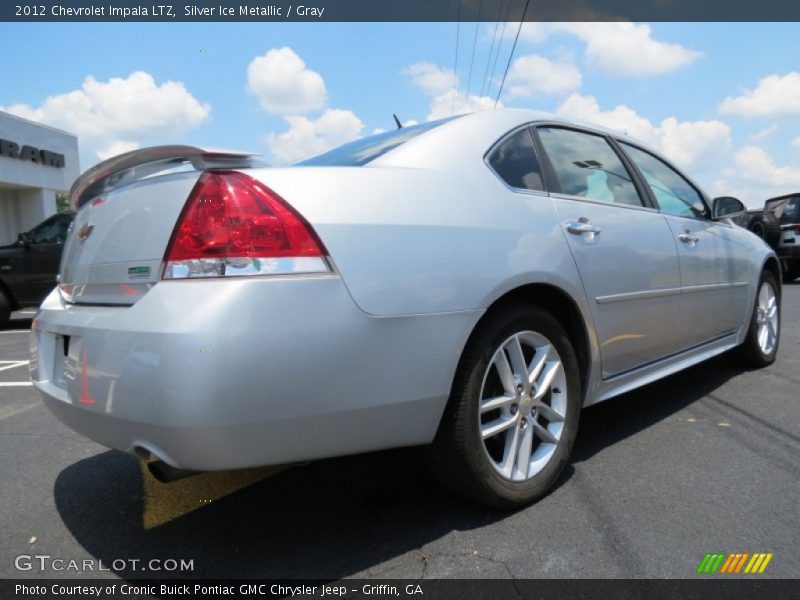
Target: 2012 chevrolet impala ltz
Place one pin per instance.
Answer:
(467, 284)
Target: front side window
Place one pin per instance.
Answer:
(514, 160)
(587, 166)
(51, 231)
(675, 195)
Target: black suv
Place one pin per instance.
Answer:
(29, 266)
(784, 211)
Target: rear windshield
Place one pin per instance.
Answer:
(361, 151)
(784, 209)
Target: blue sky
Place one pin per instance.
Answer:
(325, 83)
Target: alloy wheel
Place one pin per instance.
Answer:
(767, 318)
(523, 405)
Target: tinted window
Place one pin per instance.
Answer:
(514, 160)
(784, 209)
(675, 195)
(361, 151)
(51, 231)
(587, 166)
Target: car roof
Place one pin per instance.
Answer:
(539, 116)
(452, 141)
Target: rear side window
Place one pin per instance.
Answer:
(514, 160)
(361, 151)
(675, 195)
(587, 166)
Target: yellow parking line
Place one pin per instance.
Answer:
(164, 502)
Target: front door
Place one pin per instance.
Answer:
(715, 267)
(624, 250)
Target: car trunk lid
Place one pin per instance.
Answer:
(127, 208)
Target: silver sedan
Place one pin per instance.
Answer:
(467, 285)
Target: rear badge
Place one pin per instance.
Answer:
(85, 231)
(138, 271)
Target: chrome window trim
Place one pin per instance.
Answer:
(604, 202)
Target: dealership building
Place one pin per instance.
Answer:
(36, 163)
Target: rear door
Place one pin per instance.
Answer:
(623, 248)
(715, 267)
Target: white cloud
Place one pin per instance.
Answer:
(619, 48)
(532, 32)
(755, 164)
(430, 78)
(120, 112)
(796, 143)
(457, 103)
(306, 137)
(691, 144)
(283, 83)
(775, 96)
(694, 144)
(629, 50)
(437, 82)
(764, 133)
(534, 73)
(118, 147)
(621, 118)
(756, 178)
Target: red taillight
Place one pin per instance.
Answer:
(231, 215)
(234, 225)
(797, 229)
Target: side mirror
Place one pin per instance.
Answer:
(24, 238)
(726, 207)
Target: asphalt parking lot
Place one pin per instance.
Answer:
(705, 461)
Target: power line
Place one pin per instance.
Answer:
(510, 56)
(491, 50)
(472, 60)
(500, 45)
(455, 65)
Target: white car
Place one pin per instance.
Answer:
(468, 284)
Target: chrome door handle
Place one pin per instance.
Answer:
(688, 238)
(582, 225)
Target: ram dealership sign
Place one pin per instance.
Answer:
(31, 153)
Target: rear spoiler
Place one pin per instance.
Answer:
(138, 164)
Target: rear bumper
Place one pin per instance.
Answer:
(224, 374)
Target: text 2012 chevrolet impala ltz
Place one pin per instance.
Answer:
(467, 284)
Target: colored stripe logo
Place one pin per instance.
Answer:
(735, 563)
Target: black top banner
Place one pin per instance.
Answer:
(400, 10)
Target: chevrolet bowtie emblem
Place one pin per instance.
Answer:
(85, 231)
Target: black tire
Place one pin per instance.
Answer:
(458, 457)
(5, 309)
(767, 228)
(749, 354)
